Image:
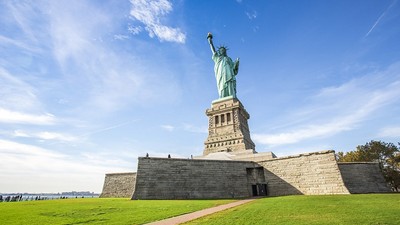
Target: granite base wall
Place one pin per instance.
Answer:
(161, 178)
(118, 185)
(363, 177)
(315, 173)
(309, 174)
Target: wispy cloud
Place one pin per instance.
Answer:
(185, 127)
(252, 15)
(194, 129)
(134, 29)
(90, 62)
(86, 67)
(108, 128)
(46, 135)
(337, 109)
(60, 136)
(8, 41)
(34, 166)
(169, 128)
(7, 116)
(120, 37)
(19, 103)
(150, 14)
(298, 135)
(380, 18)
(393, 132)
(17, 94)
(17, 99)
(15, 148)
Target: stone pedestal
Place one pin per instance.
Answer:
(228, 130)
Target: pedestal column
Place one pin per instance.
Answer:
(228, 130)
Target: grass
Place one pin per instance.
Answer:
(300, 209)
(98, 210)
(331, 209)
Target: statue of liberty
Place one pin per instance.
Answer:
(225, 70)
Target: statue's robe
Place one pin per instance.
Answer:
(225, 75)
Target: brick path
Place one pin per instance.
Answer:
(194, 215)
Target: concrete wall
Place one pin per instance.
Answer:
(118, 185)
(310, 174)
(363, 177)
(161, 178)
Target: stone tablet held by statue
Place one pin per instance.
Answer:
(225, 70)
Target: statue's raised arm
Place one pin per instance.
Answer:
(209, 38)
(225, 70)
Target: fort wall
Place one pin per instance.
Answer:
(315, 173)
(363, 177)
(118, 185)
(310, 174)
(164, 178)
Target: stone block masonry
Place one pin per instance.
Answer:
(309, 174)
(315, 173)
(161, 178)
(363, 177)
(118, 185)
(228, 130)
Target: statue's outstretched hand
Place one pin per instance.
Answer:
(209, 35)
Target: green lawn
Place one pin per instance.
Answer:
(97, 211)
(332, 209)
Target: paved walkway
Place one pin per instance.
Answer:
(194, 215)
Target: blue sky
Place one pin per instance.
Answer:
(86, 87)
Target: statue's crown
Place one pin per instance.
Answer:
(223, 46)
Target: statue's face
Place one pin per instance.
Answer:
(222, 51)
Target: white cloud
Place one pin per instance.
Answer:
(45, 135)
(390, 132)
(150, 14)
(23, 150)
(169, 128)
(90, 63)
(30, 168)
(109, 128)
(77, 53)
(300, 134)
(8, 41)
(337, 109)
(252, 15)
(165, 33)
(18, 98)
(23, 14)
(134, 29)
(20, 133)
(7, 116)
(185, 127)
(120, 37)
(71, 35)
(17, 94)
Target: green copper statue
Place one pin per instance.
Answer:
(225, 70)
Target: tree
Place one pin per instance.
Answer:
(386, 154)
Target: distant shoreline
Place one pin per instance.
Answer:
(59, 193)
(18, 197)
